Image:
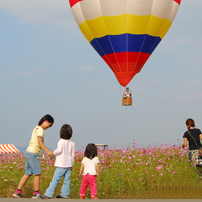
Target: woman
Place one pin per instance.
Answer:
(193, 136)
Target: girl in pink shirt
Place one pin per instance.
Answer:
(64, 162)
(89, 169)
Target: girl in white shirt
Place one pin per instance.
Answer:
(64, 162)
(89, 169)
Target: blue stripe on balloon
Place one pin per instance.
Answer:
(125, 42)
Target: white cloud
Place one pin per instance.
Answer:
(52, 12)
(28, 73)
(95, 83)
(58, 85)
(198, 94)
(195, 83)
(172, 44)
(189, 97)
(154, 81)
(86, 68)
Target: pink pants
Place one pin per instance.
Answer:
(89, 180)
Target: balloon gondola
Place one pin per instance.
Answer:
(127, 97)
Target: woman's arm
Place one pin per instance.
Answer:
(200, 136)
(185, 142)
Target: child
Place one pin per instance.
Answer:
(32, 163)
(64, 162)
(90, 166)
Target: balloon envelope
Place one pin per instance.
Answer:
(124, 32)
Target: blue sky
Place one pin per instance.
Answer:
(47, 67)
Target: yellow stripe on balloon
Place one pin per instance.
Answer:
(127, 23)
(86, 31)
(158, 26)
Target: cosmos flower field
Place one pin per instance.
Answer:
(160, 171)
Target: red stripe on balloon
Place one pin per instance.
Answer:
(125, 61)
(125, 65)
(73, 2)
(178, 1)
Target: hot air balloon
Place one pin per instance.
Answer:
(124, 32)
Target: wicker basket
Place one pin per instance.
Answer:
(127, 101)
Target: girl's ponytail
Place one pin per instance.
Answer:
(190, 123)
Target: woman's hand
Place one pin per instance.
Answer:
(185, 142)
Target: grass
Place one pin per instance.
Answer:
(159, 172)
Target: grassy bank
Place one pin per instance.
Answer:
(147, 172)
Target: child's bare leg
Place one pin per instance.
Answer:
(36, 182)
(23, 181)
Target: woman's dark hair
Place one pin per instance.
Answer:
(90, 151)
(48, 118)
(190, 122)
(66, 132)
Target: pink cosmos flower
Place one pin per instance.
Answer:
(159, 167)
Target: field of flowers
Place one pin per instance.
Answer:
(161, 171)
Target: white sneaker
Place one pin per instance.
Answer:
(37, 196)
(16, 195)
